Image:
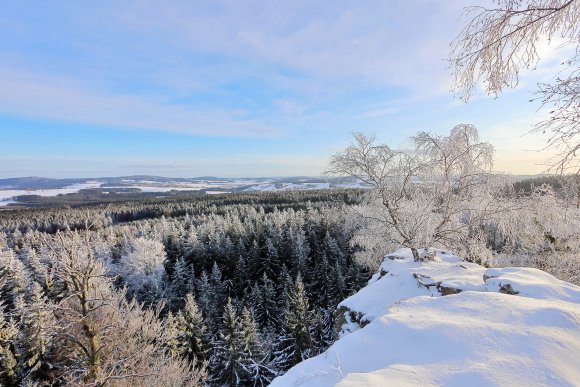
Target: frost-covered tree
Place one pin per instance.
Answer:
(12, 280)
(296, 342)
(430, 195)
(239, 358)
(35, 341)
(205, 299)
(499, 42)
(8, 334)
(268, 314)
(102, 338)
(142, 268)
(227, 369)
(218, 287)
(180, 284)
(300, 251)
(188, 335)
(241, 275)
(253, 358)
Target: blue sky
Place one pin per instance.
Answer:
(235, 88)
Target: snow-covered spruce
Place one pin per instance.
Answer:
(510, 326)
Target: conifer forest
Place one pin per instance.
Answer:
(289, 193)
(218, 290)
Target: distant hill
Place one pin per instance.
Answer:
(34, 182)
(46, 192)
(40, 183)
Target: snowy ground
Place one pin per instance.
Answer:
(7, 195)
(288, 186)
(511, 326)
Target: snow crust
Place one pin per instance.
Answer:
(488, 334)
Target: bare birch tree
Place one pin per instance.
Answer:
(390, 173)
(498, 43)
(432, 195)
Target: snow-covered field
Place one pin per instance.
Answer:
(7, 195)
(287, 186)
(511, 326)
(145, 188)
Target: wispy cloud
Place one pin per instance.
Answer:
(61, 98)
(280, 84)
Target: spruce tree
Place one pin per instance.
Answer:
(218, 288)
(228, 254)
(254, 260)
(338, 289)
(227, 349)
(271, 261)
(285, 285)
(37, 270)
(205, 300)
(254, 300)
(188, 336)
(172, 342)
(240, 275)
(321, 283)
(34, 341)
(178, 286)
(333, 250)
(296, 342)
(253, 358)
(270, 310)
(300, 252)
(12, 280)
(8, 334)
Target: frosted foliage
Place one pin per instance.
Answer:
(433, 195)
(500, 41)
(543, 233)
(102, 338)
(142, 266)
(443, 194)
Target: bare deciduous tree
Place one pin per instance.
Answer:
(498, 43)
(390, 172)
(102, 338)
(432, 195)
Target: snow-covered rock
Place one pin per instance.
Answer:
(510, 326)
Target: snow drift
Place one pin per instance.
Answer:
(454, 323)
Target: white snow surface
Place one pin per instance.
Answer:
(7, 195)
(478, 337)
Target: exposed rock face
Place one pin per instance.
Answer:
(507, 289)
(349, 320)
(400, 277)
(448, 290)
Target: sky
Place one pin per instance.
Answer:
(237, 88)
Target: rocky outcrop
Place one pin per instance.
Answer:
(508, 326)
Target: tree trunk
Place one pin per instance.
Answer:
(415, 254)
